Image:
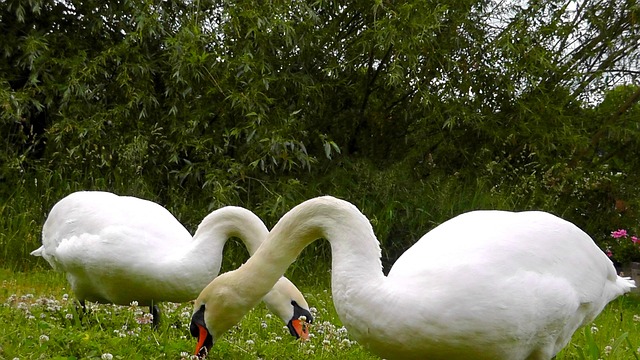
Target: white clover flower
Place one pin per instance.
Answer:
(263, 324)
(53, 308)
(106, 356)
(268, 316)
(594, 329)
(249, 342)
(302, 318)
(607, 350)
(42, 301)
(636, 318)
(170, 307)
(134, 303)
(44, 338)
(145, 319)
(68, 316)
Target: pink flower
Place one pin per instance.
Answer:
(609, 253)
(635, 239)
(619, 233)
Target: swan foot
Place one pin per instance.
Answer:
(155, 312)
(81, 309)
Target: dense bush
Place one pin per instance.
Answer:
(414, 111)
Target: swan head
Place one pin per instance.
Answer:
(287, 302)
(223, 303)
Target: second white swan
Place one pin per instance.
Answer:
(483, 285)
(120, 249)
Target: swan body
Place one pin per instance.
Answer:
(120, 249)
(483, 285)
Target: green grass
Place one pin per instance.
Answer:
(38, 321)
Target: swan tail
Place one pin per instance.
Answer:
(625, 284)
(38, 252)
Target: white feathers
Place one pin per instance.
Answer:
(483, 285)
(119, 249)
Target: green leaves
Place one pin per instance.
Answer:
(199, 96)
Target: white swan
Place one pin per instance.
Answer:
(483, 285)
(120, 249)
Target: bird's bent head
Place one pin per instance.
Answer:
(220, 306)
(223, 303)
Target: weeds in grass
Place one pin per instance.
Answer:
(40, 319)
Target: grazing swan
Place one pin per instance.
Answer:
(483, 285)
(120, 249)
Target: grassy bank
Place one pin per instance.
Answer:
(40, 321)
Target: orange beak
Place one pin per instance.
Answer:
(302, 328)
(201, 338)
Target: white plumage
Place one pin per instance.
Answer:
(483, 285)
(120, 249)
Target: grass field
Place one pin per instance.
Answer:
(40, 321)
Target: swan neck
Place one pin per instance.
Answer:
(354, 247)
(206, 250)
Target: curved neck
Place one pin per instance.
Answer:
(231, 221)
(355, 250)
(207, 246)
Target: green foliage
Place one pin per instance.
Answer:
(623, 248)
(415, 111)
(436, 108)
